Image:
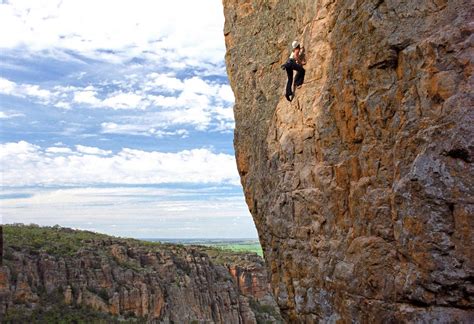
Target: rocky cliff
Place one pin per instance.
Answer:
(52, 274)
(361, 188)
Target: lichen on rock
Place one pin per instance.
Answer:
(362, 187)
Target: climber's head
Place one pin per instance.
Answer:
(295, 45)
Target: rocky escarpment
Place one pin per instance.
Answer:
(47, 270)
(361, 188)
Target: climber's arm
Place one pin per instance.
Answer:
(302, 57)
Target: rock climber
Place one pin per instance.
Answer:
(294, 63)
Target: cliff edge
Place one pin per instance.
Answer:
(59, 275)
(361, 188)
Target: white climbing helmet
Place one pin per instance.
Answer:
(295, 44)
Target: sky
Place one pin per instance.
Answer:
(116, 117)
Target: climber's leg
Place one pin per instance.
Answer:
(289, 84)
(299, 78)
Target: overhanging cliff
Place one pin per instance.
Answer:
(361, 188)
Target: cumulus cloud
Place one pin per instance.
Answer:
(25, 164)
(122, 100)
(128, 67)
(134, 28)
(226, 93)
(165, 81)
(225, 119)
(203, 104)
(7, 87)
(191, 102)
(87, 95)
(119, 99)
(11, 88)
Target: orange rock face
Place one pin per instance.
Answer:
(361, 188)
(251, 280)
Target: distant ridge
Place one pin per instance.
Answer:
(53, 274)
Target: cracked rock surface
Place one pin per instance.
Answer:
(361, 188)
(59, 271)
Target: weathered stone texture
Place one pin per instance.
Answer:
(362, 188)
(171, 284)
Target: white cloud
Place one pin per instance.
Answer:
(8, 115)
(203, 104)
(6, 86)
(92, 150)
(56, 150)
(157, 212)
(90, 195)
(122, 100)
(198, 116)
(141, 129)
(117, 30)
(87, 96)
(131, 38)
(183, 133)
(226, 94)
(226, 114)
(166, 82)
(115, 100)
(26, 164)
(63, 105)
(11, 88)
(192, 101)
(20, 149)
(198, 86)
(36, 91)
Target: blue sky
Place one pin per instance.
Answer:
(116, 116)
